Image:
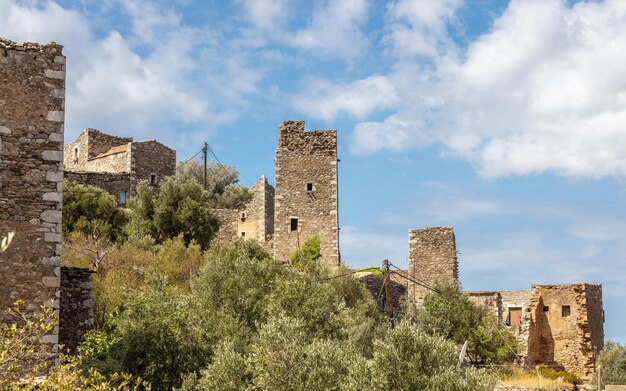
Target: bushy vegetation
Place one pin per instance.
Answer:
(25, 359)
(93, 212)
(250, 322)
(613, 362)
(450, 314)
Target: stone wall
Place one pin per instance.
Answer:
(566, 326)
(90, 144)
(489, 299)
(112, 183)
(150, 157)
(76, 306)
(32, 94)
(229, 223)
(306, 191)
(432, 258)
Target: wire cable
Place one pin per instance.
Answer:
(224, 168)
(188, 160)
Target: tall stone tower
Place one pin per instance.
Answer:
(32, 104)
(306, 191)
(432, 258)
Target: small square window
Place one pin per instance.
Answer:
(309, 187)
(293, 226)
(153, 179)
(243, 234)
(546, 308)
(243, 216)
(566, 311)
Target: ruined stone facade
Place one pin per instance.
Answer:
(304, 202)
(306, 191)
(432, 259)
(560, 325)
(99, 159)
(76, 315)
(32, 104)
(255, 220)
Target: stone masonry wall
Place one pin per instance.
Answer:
(114, 161)
(566, 327)
(89, 144)
(304, 158)
(229, 223)
(432, 258)
(32, 100)
(76, 306)
(112, 183)
(152, 157)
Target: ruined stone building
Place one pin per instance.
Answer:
(560, 325)
(117, 164)
(32, 101)
(304, 201)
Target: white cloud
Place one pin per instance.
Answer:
(335, 29)
(418, 27)
(266, 15)
(543, 90)
(327, 100)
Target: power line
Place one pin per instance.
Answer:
(188, 160)
(413, 279)
(224, 168)
(350, 273)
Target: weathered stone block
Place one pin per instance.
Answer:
(55, 156)
(51, 216)
(55, 196)
(52, 74)
(51, 282)
(56, 116)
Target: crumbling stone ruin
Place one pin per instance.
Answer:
(432, 259)
(560, 325)
(32, 101)
(304, 202)
(255, 220)
(117, 164)
(76, 307)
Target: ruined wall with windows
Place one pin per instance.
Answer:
(306, 191)
(152, 162)
(85, 153)
(32, 104)
(432, 259)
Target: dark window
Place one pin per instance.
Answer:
(153, 179)
(243, 234)
(294, 225)
(309, 187)
(546, 308)
(243, 216)
(75, 153)
(123, 197)
(566, 311)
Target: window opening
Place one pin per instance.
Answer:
(75, 153)
(294, 225)
(546, 309)
(153, 179)
(309, 186)
(515, 316)
(243, 234)
(123, 197)
(566, 311)
(243, 216)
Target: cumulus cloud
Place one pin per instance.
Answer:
(542, 90)
(327, 100)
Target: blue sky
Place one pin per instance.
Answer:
(505, 120)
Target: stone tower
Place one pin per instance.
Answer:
(306, 191)
(32, 104)
(432, 258)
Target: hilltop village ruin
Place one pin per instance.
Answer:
(557, 325)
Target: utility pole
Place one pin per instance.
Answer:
(386, 281)
(204, 152)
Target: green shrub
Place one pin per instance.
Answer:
(613, 362)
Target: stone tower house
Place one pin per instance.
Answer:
(32, 104)
(432, 258)
(306, 191)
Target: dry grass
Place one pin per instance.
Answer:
(528, 379)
